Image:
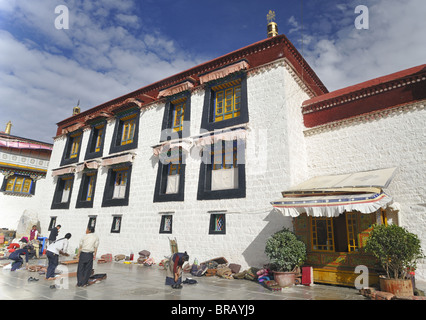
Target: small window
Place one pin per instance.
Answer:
(166, 223)
(18, 184)
(217, 223)
(116, 224)
(92, 222)
(62, 196)
(52, 223)
(86, 192)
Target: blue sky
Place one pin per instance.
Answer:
(114, 47)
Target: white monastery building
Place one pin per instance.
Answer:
(218, 156)
(23, 168)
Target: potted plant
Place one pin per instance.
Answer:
(397, 251)
(286, 253)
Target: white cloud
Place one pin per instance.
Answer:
(45, 71)
(393, 42)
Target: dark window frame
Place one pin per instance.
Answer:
(160, 194)
(207, 120)
(163, 222)
(167, 132)
(84, 184)
(212, 223)
(108, 200)
(57, 196)
(92, 218)
(66, 155)
(52, 223)
(91, 152)
(205, 177)
(118, 130)
(114, 217)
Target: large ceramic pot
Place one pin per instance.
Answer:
(398, 287)
(285, 279)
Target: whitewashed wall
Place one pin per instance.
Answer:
(275, 132)
(397, 140)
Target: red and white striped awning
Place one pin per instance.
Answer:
(330, 196)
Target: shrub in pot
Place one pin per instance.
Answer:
(285, 253)
(398, 251)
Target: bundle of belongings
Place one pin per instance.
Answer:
(215, 267)
(145, 259)
(119, 257)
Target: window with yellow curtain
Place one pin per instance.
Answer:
(75, 145)
(129, 124)
(178, 114)
(99, 135)
(227, 100)
(19, 184)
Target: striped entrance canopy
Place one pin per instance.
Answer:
(329, 196)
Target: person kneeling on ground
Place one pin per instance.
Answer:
(16, 257)
(174, 270)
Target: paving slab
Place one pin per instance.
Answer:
(138, 282)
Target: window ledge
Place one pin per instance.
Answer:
(18, 194)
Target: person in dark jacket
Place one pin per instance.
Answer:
(174, 270)
(54, 233)
(18, 260)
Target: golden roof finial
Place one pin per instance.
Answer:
(76, 110)
(270, 16)
(8, 127)
(272, 26)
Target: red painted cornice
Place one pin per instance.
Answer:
(256, 54)
(396, 89)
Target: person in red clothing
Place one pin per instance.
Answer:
(34, 241)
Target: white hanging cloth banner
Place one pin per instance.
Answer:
(63, 171)
(166, 146)
(240, 134)
(223, 72)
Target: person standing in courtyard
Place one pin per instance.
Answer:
(86, 254)
(54, 233)
(56, 248)
(34, 241)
